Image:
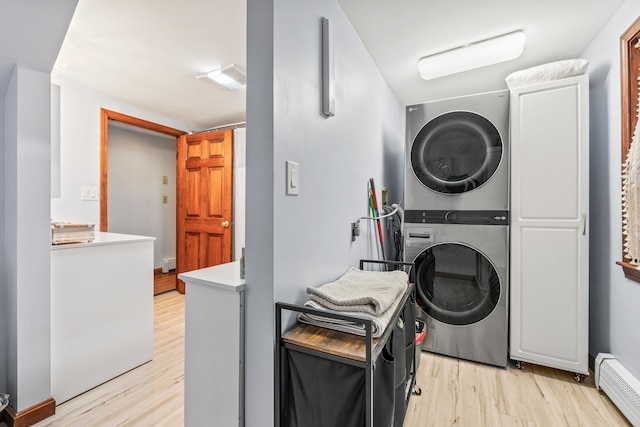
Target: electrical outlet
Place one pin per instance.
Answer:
(355, 230)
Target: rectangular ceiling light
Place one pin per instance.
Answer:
(472, 55)
(231, 76)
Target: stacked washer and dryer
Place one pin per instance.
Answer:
(456, 223)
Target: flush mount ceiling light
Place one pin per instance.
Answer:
(472, 55)
(231, 76)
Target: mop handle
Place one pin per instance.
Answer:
(375, 205)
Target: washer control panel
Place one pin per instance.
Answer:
(457, 217)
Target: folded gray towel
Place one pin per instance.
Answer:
(378, 323)
(370, 292)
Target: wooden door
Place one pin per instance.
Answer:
(204, 201)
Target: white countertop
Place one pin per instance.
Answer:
(103, 238)
(223, 276)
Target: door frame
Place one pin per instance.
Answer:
(105, 116)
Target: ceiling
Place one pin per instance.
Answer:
(398, 36)
(147, 53)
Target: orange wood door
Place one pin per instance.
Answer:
(205, 196)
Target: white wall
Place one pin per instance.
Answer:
(299, 241)
(10, 240)
(137, 163)
(34, 47)
(337, 155)
(80, 148)
(26, 242)
(55, 141)
(239, 190)
(614, 300)
(4, 303)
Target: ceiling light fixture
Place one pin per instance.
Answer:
(231, 76)
(472, 55)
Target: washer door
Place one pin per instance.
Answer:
(456, 152)
(456, 284)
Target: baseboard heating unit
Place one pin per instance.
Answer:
(620, 385)
(168, 264)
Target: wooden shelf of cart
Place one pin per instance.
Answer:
(341, 347)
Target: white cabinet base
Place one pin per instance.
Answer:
(101, 311)
(214, 346)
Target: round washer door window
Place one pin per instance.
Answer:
(456, 284)
(456, 152)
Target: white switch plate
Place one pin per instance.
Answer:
(293, 178)
(88, 193)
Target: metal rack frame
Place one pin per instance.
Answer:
(371, 352)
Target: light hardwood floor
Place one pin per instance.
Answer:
(461, 393)
(150, 395)
(454, 393)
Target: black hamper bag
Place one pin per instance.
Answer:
(409, 314)
(324, 393)
(398, 350)
(384, 390)
(410, 337)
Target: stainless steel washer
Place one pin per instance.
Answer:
(457, 153)
(461, 277)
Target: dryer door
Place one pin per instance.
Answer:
(456, 152)
(456, 284)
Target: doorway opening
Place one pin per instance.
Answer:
(118, 122)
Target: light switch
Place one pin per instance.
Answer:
(293, 179)
(165, 179)
(88, 193)
(164, 199)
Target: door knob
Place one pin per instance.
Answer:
(225, 224)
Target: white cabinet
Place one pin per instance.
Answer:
(549, 286)
(101, 311)
(214, 346)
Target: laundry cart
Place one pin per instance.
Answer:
(326, 377)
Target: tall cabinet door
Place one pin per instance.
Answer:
(549, 224)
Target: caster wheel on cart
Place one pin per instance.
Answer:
(517, 364)
(417, 390)
(578, 377)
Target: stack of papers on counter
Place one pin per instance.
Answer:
(66, 232)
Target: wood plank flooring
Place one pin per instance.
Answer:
(150, 395)
(461, 393)
(454, 393)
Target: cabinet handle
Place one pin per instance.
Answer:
(584, 224)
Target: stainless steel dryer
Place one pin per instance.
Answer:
(461, 278)
(457, 153)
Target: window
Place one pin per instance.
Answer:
(630, 71)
